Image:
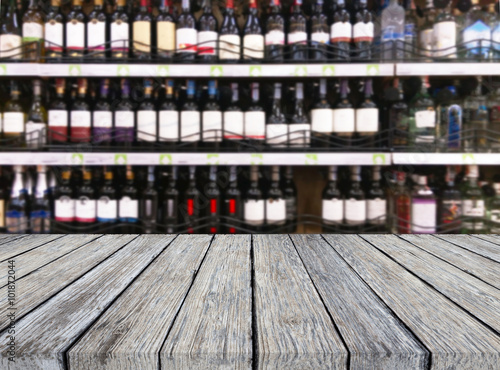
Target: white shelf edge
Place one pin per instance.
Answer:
(447, 69)
(446, 158)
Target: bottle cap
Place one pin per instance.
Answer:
(422, 180)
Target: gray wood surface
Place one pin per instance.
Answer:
(375, 338)
(45, 334)
(40, 285)
(214, 327)
(20, 244)
(472, 263)
(474, 244)
(4, 238)
(294, 330)
(455, 339)
(130, 333)
(493, 238)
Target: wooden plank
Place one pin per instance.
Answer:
(475, 296)
(472, 263)
(45, 334)
(455, 339)
(476, 245)
(4, 238)
(376, 339)
(20, 245)
(130, 334)
(493, 238)
(38, 257)
(40, 285)
(214, 327)
(293, 327)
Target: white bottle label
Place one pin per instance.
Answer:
(58, 118)
(277, 134)
(477, 31)
(343, 120)
(212, 126)
(473, 208)
(128, 208)
(75, 35)
(146, 125)
(187, 38)
(32, 31)
(376, 211)
(229, 46)
(366, 120)
(207, 42)
(80, 118)
(423, 216)
(355, 210)
(426, 40)
(96, 35)
(165, 36)
(65, 209)
(54, 36)
(275, 210)
(322, 120)
(169, 125)
(102, 119)
(13, 122)
(255, 125)
(107, 209)
(254, 211)
(142, 36)
(275, 37)
(124, 119)
(119, 35)
(425, 118)
(445, 37)
(233, 125)
(10, 46)
(253, 46)
(363, 32)
(299, 134)
(320, 37)
(297, 37)
(190, 126)
(332, 210)
(341, 32)
(36, 134)
(86, 210)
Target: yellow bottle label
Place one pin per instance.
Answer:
(166, 35)
(142, 36)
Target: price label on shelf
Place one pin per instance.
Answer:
(300, 71)
(77, 158)
(311, 159)
(216, 71)
(123, 71)
(163, 71)
(3, 69)
(256, 159)
(212, 159)
(74, 70)
(379, 159)
(328, 71)
(468, 159)
(165, 159)
(121, 159)
(255, 71)
(372, 70)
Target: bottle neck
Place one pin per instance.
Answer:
(235, 95)
(186, 6)
(18, 185)
(255, 92)
(277, 99)
(344, 89)
(322, 89)
(368, 89)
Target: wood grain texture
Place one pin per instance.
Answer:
(493, 238)
(40, 285)
(455, 339)
(374, 337)
(473, 244)
(5, 238)
(472, 263)
(214, 327)
(37, 257)
(130, 334)
(294, 330)
(45, 334)
(22, 244)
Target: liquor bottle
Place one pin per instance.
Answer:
(450, 214)
(190, 117)
(423, 209)
(290, 195)
(376, 204)
(33, 31)
(165, 31)
(476, 35)
(232, 203)
(275, 33)
(168, 116)
(341, 32)
(213, 198)
(97, 28)
(473, 204)
(190, 209)
(10, 33)
(450, 122)
(445, 34)
(332, 204)
(475, 133)
(207, 34)
(343, 116)
(120, 31)
(107, 204)
(411, 27)
(148, 204)
(186, 34)
(58, 116)
(422, 121)
(392, 31)
(297, 33)
(495, 31)
(233, 119)
(141, 32)
(14, 117)
(320, 35)
(367, 116)
(494, 211)
(170, 204)
(146, 118)
(253, 39)
(299, 127)
(494, 118)
(321, 118)
(254, 203)
(275, 203)
(64, 204)
(75, 31)
(402, 204)
(54, 31)
(212, 118)
(17, 208)
(36, 125)
(399, 119)
(128, 205)
(426, 34)
(363, 31)
(124, 117)
(80, 117)
(102, 117)
(86, 204)
(255, 119)
(276, 126)
(229, 35)
(355, 202)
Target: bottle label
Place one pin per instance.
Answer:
(320, 38)
(165, 36)
(119, 36)
(32, 31)
(451, 211)
(376, 210)
(253, 46)
(190, 126)
(54, 36)
(475, 34)
(86, 210)
(80, 118)
(389, 34)
(254, 211)
(277, 134)
(445, 39)
(102, 119)
(212, 126)
(341, 32)
(229, 46)
(107, 209)
(2, 213)
(207, 42)
(332, 210)
(275, 37)
(169, 125)
(425, 118)
(142, 36)
(473, 208)
(363, 32)
(233, 125)
(65, 209)
(355, 210)
(10, 46)
(124, 119)
(186, 40)
(40, 222)
(367, 120)
(321, 120)
(13, 122)
(128, 209)
(297, 38)
(410, 31)
(255, 125)
(75, 35)
(58, 118)
(275, 210)
(36, 134)
(426, 40)
(96, 35)
(495, 37)
(146, 125)
(17, 222)
(299, 134)
(343, 120)
(423, 216)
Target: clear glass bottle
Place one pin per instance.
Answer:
(477, 33)
(423, 208)
(423, 118)
(393, 31)
(495, 30)
(494, 120)
(476, 120)
(426, 32)
(450, 213)
(411, 27)
(445, 34)
(473, 204)
(494, 211)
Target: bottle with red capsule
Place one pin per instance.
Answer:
(212, 195)
(232, 203)
(190, 207)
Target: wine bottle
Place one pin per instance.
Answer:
(170, 214)
(299, 127)
(102, 117)
(33, 31)
(343, 116)
(367, 117)
(17, 208)
(76, 21)
(254, 210)
(107, 204)
(275, 203)
(341, 32)
(168, 116)
(146, 115)
(332, 204)
(233, 120)
(473, 204)
(232, 203)
(190, 117)
(36, 125)
(86, 204)
(54, 32)
(255, 119)
(97, 28)
(321, 118)
(212, 118)
(450, 213)
(376, 204)
(124, 117)
(290, 194)
(80, 117)
(423, 209)
(277, 127)
(229, 36)
(355, 202)
(10, 34)
(128, 205)
(253, 40)
(191, 202)
(297, 33)
(142, 30)
(58, 116)
(148, 205)
(207, 34)
(402, 199)
(120, 31)
(213, 199)
(275, 33)
(64, 204)
(186, 33)
(363, 31)
(399, 119)
(320, 36)
(14, 118)
(165, 31)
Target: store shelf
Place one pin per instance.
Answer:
(446, 158)
(447, 69)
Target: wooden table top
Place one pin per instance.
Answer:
(250, 301)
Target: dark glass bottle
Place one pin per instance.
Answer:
(128, 205)
(40, 211)
(141, 32)
(233, 206)
(170, 206)
(450, 213)
(254, 204)
(14, 118)
(76, 21)
(107, 204)
(190, 118)
(186, 34)
(320, 35)
(233, 120)
(275, 34)
(343, 116)
(255, 120)
(275, 204)
(355, 203)
(120, 31)
(253, 39)
(64, 205)
(341, 32)
(367, 117)
(207, 34)
(97, 28)
(80, 118)
(363, 31)
(290, 194)
(213, 199)
(376, 204)
(473, 204)
(168, 117)
(148, 204)
(32, 31)
(212, 118)
(299, 129)
(332, 209)
(3, 201)
(297, 33)
(102, 117)
(190, 210)
(321, 118)
(58, 116)
(54, 32)
(17, 210)
(124, 117)
(399, 120)
(229, 36)
(86, 205)
(165, 31)
(146, 115)
(276, 126)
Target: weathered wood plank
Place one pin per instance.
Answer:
(213, 329)
(40, 285)
(4, 238)
(130, 333)
(455, 339)
(472, 263)
(37, 257)
(476, 245)
(493, 238)
(375, 338)
(20, 245)
(45, 334)
(294, 330)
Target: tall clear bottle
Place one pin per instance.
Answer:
(393, 31)
(494, 211)
(477, 33)
(476, 120)
(36, 125)
(473, 203)
(445, 34)
(423, 209)
(423, 117)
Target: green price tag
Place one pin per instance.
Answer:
(3, 69)
(163, 71)
(212, 159)
(328, 71)
(256, 159)
(165, 159)
(255, 71)
(216, 71)
(75, 70)
(372, 70)
(378, 159)
(123, 71)
(300, 71)
(468, 158)
(77, 158)
(311, 159)
(120, 159)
